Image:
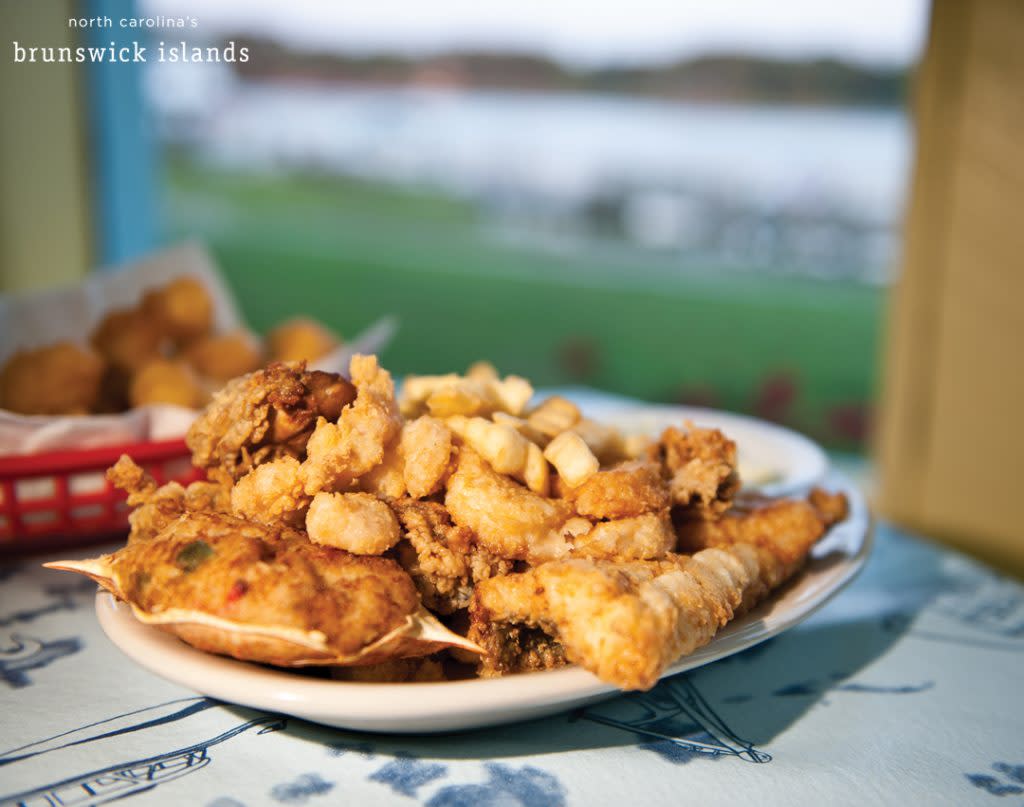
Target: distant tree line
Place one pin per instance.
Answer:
(723, 77)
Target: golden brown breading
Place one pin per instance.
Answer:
(272, 493)
(183, 309)
(443, 559)
(624, 622)
(701, 469)
(300, 339)
(626, 490)
(157, 506)
(166, 381)
(59, 379)
(426, 448)
(127, 339)
(509, 520)
(264, 415)
(780, 523)
(627, 622)
(356, 522)
(221, 357)
(339, 453)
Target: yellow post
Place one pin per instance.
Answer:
(951, 442)
(44, 198)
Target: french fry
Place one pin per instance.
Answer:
(502, 446)
(572, 458)
(553, 416)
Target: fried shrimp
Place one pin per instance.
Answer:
(264, 415)
(272, 492)
(157, 506)
(261, 593)
(356, 522)
(507, 518)
(426, 448)
(627, 622)
(443, 559)
(339, 453)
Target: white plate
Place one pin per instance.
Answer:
(772, 460)
(456, 705)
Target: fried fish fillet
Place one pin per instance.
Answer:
(628, 622)
(262, 593)
(156, 506)
(263, 416)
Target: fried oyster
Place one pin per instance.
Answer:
(265, 415)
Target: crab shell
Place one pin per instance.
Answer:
(419, 635)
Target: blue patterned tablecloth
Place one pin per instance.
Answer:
(905, 689)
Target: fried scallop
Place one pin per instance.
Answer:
(59, 379)
(263, 416)
(266, 594)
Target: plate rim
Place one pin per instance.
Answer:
(357, 704)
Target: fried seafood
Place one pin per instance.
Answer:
(264, 415)
(359, 523)
(628, 622)
(300, 339)
(443, 559)
(426, 448)
(701, 469)
(272, 493)
(266, 594)
(628, 489)
(337, 523)
(339, 453)
(156, 506)
(788, 525)
(60, 379)
(514, 523)
(509, 520)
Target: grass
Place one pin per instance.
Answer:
(348, 252)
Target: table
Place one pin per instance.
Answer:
(904, 689)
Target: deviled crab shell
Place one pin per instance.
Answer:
(257, 593)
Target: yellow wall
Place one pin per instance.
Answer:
(44, 196)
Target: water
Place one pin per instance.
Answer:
(821, 186)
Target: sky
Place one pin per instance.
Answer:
(582, 32)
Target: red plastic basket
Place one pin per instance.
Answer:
(62, 498)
